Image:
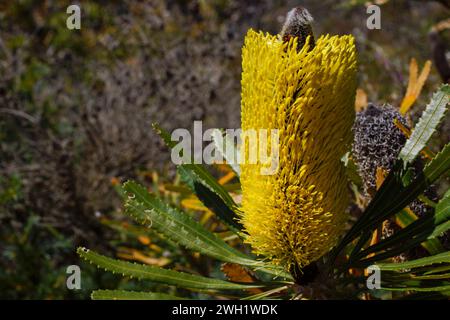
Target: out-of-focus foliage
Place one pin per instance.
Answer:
(76, 106)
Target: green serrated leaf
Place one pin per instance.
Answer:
(160, 275)
(433, 276)
(164, 135)
(211, 193)
(440, 230)
(149, 210)
(426, 125)
(442, 210)
(439, 165)
(422, 262)
(442, 216)
(131, 295)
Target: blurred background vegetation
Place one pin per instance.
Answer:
(76, 108)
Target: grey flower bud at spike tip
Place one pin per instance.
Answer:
(298, 24)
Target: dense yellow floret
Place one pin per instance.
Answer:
(296, 215)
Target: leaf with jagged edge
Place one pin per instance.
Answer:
(150, 211)
(131, 295)
(428, 274)
(439, 165)
(416, 280)
(208, 190)
(160, 275)
(442, 216)
(442, 210)
(440, 258)
(164, 135)
(365, 223)
(426, 125)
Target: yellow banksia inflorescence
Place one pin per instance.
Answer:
(296, 215)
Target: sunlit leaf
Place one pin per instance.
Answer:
(159, 275)
(426, 125)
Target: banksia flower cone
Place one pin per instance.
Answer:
(296, 215)
(377, 143)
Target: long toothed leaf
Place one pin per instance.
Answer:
(151, 211)
(426, 125)
(422, 262)
(208, 190)
(440, 165)
(442, 210)
(159, 275)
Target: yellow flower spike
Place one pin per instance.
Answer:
(296, 215)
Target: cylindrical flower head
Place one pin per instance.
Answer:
(377, 142)
(296, 215)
